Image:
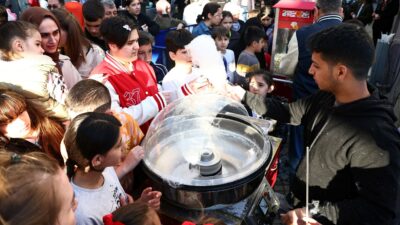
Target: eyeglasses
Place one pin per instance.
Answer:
(50, 7)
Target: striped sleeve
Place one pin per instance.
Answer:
(186, 90)
(160, 100)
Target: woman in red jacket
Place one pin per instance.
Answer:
(131, 82)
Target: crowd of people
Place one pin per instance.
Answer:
(79, 87)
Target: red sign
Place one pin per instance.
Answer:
(294, 19)
(296, 14)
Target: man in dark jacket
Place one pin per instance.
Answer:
(354, 147)
(298, 60)
(93, 14)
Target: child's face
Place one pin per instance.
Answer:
(181, 57)
(114, 156)
(227, 22)
(222, 43)
(32, 45)
(18, 128)
(128, 52)
(64, 189)
(145, 53)
(259, 45)
(259, 86)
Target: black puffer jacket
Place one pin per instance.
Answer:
(354, 156)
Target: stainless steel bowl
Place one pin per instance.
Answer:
(206, 157)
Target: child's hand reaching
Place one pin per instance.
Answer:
(131, 160)
(151, 198)
(200, 85)
(235, 92)
(135, 155)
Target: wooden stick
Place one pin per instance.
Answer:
(307, 178)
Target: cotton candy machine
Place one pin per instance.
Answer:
(203, 151)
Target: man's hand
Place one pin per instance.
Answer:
(297, 217)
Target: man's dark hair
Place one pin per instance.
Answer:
(116, 30)
(177, 39)
(253, 33)
(126, 3)
(329, 6)
(145, 38)
(219, 32)
(347, 44)
(93, 10)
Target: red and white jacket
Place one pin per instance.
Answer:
(134, 92)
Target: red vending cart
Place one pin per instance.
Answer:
(290, 16)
